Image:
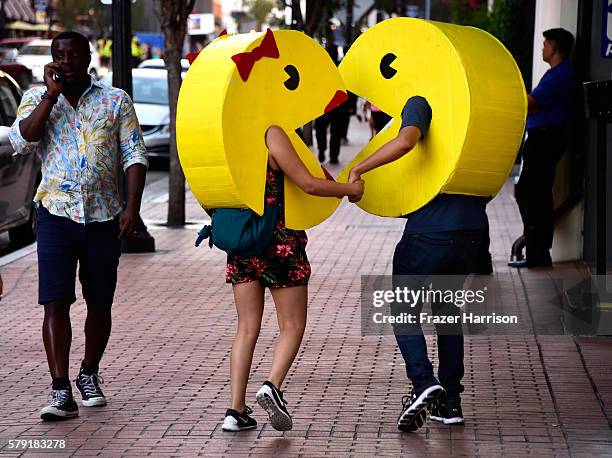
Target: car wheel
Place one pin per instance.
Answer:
(26, 233)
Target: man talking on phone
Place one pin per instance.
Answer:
(82, 130)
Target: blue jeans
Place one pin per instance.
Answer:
(435, 253)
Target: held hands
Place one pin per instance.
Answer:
(355, 178)
(54, 88)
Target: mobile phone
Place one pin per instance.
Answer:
(57, 78)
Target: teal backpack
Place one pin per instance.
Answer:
(240, 231)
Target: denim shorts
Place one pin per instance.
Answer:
(62, 243)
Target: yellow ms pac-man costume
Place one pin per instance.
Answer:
(478, 106)
(237, 88)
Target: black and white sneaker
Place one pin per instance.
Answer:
(89, 386)
(447, 411)
(271, 400)
(236, 421)
(415, 406)
(62, 406)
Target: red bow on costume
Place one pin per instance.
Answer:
(245, 61)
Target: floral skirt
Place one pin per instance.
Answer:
(284, 263)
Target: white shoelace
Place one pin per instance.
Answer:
(59, 397)
(91, 384)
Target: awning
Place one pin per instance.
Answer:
(20, 25)
(19, 10)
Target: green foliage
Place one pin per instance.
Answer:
(508, 21)
(461, 12)
(259, 10)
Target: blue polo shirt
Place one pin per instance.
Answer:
(446, 212)
(555, 97)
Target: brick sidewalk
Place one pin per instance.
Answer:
(167, 364)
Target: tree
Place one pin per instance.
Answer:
(316, 13)
(260, 10)
(172, 16)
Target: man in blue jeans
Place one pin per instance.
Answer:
(441, 238)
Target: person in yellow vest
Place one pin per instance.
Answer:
(105, 49)
(136, 52)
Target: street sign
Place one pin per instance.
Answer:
(606, 29)
(200, 24)
(41, 5)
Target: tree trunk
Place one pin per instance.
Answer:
(314, 14)
(172, 16)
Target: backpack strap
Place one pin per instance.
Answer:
(205, 233)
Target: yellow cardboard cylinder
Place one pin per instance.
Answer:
(222, 120)
(478, 102)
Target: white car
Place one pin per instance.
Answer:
(160, 64)
(150, 96)
(37, 53)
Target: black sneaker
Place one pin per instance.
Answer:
(236, 421)
(62, 406)
(322, 157)
(89, 386)
(447, 411)
(415, 406)
(271, 400)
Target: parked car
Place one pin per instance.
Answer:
(159, 64)
(20, 73)
(37, 53)
(19, 174)
(9, 48)
(150, 96)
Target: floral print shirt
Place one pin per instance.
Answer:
(81, 149)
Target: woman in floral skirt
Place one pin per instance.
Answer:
(285, 270)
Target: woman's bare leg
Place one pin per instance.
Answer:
(291, 315)
(249, 298)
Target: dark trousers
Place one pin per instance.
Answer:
(334, 121)
(416, 258)
(381, 119)
(541, 152)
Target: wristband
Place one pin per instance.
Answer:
(46, 96)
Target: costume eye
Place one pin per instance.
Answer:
(386, 70)
(293, 81)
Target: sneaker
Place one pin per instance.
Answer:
(89, 386)
(271, 400)
(322, 157)
(415, 406)
(236, 421)
(62, 406)
(447, 411)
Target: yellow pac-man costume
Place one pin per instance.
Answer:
(237, 88)
(478, 102)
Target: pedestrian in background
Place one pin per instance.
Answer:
(82, 130)
(550, 106)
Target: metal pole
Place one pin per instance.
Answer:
(122, 36)
(602, 170)
(122, 78)
(427, 9)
